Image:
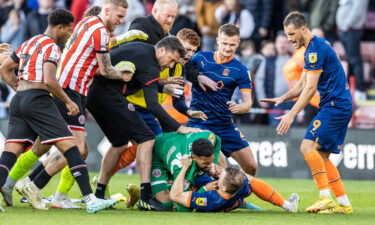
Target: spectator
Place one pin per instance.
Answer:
(78, 8)
(270, 79)
(268, 49)
(207, 24)
(350, 20)
(185, 18)
(322, 15)
(232, 12)
(13, 31)
(249, 56)
(36, 21)
(262, 13)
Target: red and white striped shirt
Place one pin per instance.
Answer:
(32, 54)
(78, 62)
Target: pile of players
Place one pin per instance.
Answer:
(123, 89)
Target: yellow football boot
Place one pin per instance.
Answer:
(322, 203)
(338, 209)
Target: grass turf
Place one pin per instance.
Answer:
(361, 194)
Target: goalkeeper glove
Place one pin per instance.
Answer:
(125, 66)
(129, 36)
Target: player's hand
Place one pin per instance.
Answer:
(185, 130)
(214, 170)
(204, 82)
(131, 35)
(276, 101)
(175, 90)
(197, 114)
(186, 161)
(5, 47)
(212, 186)
(285, 123)
(234, 107)
(172, 80)
(3, 56)
(127, 69)
(72, 108)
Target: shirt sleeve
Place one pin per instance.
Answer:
(17, 54)
(314, 60)
(52, 55)
(204, 202)
(151, 75)
(101, 40)
(244, 82)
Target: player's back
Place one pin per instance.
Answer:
(78, 62)
(228, 75)
(32, 55)
(332, 86)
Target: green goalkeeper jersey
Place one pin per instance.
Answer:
(170, 147)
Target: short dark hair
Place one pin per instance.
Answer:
(233, 180)
(295, 18)
(172, 44)
(92, 11)
(189, 36)
(60, 17)
(229, 30)
(202, 147)
(121, 3)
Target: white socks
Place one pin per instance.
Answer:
(325, 193)
(343, 200)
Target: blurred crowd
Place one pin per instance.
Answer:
(349, 25)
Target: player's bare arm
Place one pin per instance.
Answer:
(243, 107)
(177, 193)
(292, 93)
(309, 90)
(7, 72)
(106, 69)
(52, 85)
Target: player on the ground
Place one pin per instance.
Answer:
(228, 193)
(326, 132)
(228, 73)
(166, 165)
(86, 51)
(33, 112)
(118, 118)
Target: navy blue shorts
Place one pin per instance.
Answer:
(149, 119)
(328, 128)
(231, 137)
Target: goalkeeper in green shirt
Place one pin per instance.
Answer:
(169, 148)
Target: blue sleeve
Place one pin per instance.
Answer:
(180, 104)
(314, 58)
(201, 181)
(244, 80)
(204, 202)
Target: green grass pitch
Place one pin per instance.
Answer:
(361, 193)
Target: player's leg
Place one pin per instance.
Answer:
(267, 193)
(246, 160)
(8, 159)
(159, 184)
(325, 133)
(337, 187)
(24, 163)
(126, 158)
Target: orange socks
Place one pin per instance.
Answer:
(126, 158)
(334, 179)
(318, 169)
(266, 192)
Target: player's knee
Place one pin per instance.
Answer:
(251, 168)
(83, 149)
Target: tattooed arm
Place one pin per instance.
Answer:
(105, 67)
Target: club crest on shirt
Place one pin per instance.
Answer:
(226, 72)
(313, 57)
(201, 201)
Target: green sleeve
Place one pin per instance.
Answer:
(217, 149)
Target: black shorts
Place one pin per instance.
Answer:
(76, 122)
(33, 113)
(116, 116)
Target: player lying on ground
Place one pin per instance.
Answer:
(228, 192)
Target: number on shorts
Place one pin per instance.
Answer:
(316, 124)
